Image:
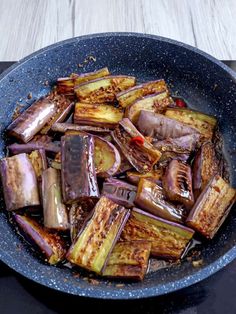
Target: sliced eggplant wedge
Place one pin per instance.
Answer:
(65, 86)
(150, 197)
(63, 127)
(32, 120)
(128, 260)
(129, 96)
(107, 158)
(205, 165)
(55, 214)
(177, 183)
(155, 103)
(204, 123)
(79, 180)
(119, 192)
(161, 127)
(96, 240)
(154, 176)
(212, 207)
(19, 182)
(103, 90)
(142, 155)
(97, 115)
(39, 161)
(50, 244)
(16, 148)
(90, 76)
(168, 239)
(178, 148)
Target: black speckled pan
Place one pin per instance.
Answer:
(206, 83)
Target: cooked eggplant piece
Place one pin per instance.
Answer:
(178, 148)
(63, 127)
(125, 165)
(127, 97)
(103, 90)
(160, 127)
(65, 86)
(205, 165)
(50, 244)
(106, 158)
(154, 176)
(16, 148)
(99, 115)
(90, 76)
(19, 182)
(39, 161)
(119, 192)
(79, 180)
(151, 198)
(177, 183)
(204, 123)
(64, 108)
(55, 215)
(32, 120)
(96, 240)
(212, 207)
(154, 103)
(168, 239)
(140, 153)
(128, 260)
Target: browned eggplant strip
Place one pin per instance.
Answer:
(141, 156)
(212, 207)
(128, 260)
(19, 182)
(154, 176)
(39, 161)
(78, 171)
(63, 127)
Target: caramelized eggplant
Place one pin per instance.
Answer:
(90, 76)
(119, 192)
(204, 123)
(154, 103)
(96, 240)
(79, 180)
(99, 115)
(19, 182)
(178, 148)
(205, 165)
(168, 239)
(51, 245)
(107, 158)
(39, 161)
(154, 176)
(177, 183)
(160, 127)
(142, 156)
(127, 97)
(212, 207)
(103, 90)
(128, 260)
(65, 86)
(63, 127)
(151, 198)
(55, 214)
(16, 148)
(32, 120)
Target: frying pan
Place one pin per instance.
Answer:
(206, 83)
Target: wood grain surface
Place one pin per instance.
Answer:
(28, 25)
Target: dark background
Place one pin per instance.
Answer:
(214, 295)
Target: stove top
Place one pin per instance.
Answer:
(213, 295)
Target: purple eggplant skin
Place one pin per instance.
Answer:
(150, 197)
(177, 183)
(63, 127)
(178, 148)
(50, 244)
(39, 161)
(55, 213)
(19, 182)
(119, 192)
(16, 148)
(78, 173)
(32, 120)
(160, 127)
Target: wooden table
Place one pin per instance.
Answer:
(28, 25)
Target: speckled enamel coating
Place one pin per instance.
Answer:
(206, 83)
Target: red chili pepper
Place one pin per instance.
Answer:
(180, 103)
(137, 140)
